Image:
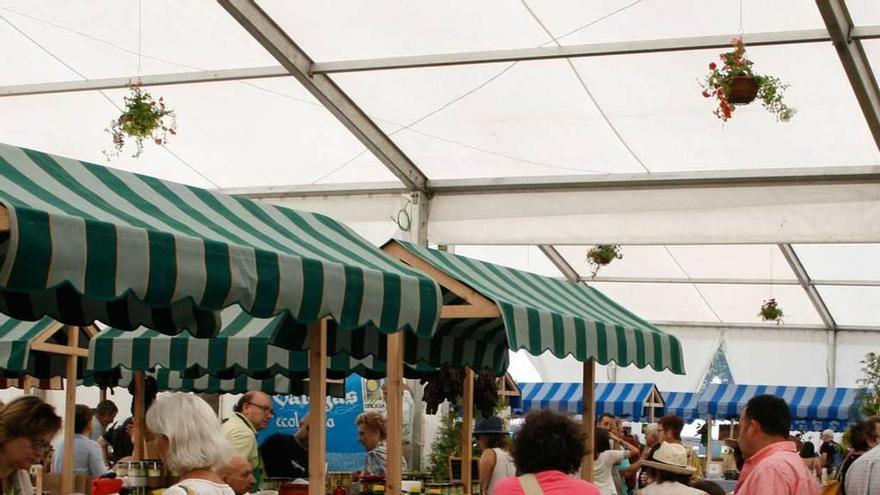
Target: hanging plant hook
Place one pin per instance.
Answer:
(404, 218)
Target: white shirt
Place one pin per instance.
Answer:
(863, 477)
(603, 469)
(670, 488)
(199, 487)
(504, 468)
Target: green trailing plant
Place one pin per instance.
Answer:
(142, 119)
(601, 255)
(736, 78)
(770, 311)
(870, 384)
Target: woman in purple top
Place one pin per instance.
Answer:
(547, 450)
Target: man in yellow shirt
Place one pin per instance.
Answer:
(252, 413)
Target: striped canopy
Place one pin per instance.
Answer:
(620, 399)
(167, 380)
(541, 313)
(682, 404)
(92, 243)
(806, 403)
(18, 360)
(242, 348)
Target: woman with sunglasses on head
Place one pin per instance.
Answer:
(27, 425)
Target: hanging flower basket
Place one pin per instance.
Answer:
(736, 83)
(143, 118)
(770, 311)
(602, 255)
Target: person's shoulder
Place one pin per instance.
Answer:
(508, 486)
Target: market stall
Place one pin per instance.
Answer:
(92, 243)
(502, 309)
(682, 404)
(636, 401)
(38, 353)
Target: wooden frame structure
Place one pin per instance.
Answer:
(478, 306)
(72, 351)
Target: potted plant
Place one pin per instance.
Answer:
(736, 83)
(770, 311)
(601, 255)
(142, 118)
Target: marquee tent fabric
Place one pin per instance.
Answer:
(807, 404)
(19, 362)
(682, 404)
(242, 349)
(88, 242)
(540, 313)
(621, 399)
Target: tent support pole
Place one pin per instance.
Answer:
(139, 416)
(708, 441)
(467, 431)
(588, 418)
(394, 405)
(317, 409)
(69, 412)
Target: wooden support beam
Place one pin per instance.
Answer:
(64, 350)
(139, 415)
(467, 430)
(317, 410)
(69, 413)
(461, 290)
(394, 408)
(708, 441)
(4, 219)
(469, 311)
(589, 418)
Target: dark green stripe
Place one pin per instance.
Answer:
(623, 357)
(389, 321)
(580, 339)
(34, 251)
(354, 296)
(268, 284)
(179, 352)
(640, 349)
(558, 335)
(140, 354)
(218, 274)
(534, 322)
(101, 260)
(163, 268)
(602, 343)
(313, 292)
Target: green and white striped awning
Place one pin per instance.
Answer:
(167, 380)
(242, 348)
(18, 360)
(541, 313)
(93, 243)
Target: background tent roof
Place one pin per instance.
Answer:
(806, 403)
(88, 242)
(620, 399)
(682, 404)
(542, 313)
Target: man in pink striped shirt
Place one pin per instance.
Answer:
(773, 466)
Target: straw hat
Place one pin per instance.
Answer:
(672, 457)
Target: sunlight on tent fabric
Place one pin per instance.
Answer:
(521, 368)
(526, 258)
(662, 302)
(853, 305)
(840, 261)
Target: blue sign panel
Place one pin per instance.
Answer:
(344, 453)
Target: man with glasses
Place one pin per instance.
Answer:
(252, 413)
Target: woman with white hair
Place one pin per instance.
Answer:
(189, 439)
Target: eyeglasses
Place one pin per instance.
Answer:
(265, 409)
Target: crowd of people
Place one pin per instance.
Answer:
(545, 457)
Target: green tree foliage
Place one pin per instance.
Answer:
(446, 444)
(870, 384)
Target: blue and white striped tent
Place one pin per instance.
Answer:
(682, 404)
(812, 408)
(631, 400)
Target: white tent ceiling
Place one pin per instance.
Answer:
(704, 255)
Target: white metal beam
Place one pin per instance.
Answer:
(446, 59)
(300, 65)
(561, 264)
(758, 326)
(588, 50)
(855, 62)
(660, 180)
(730, 281)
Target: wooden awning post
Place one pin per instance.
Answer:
(139, 416)
(708, 441)
(588, 418)
(467, 430)
(394, 414)
(69, 412)
(317, 407)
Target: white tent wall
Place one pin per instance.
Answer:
(852, 348)
(777, 357)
